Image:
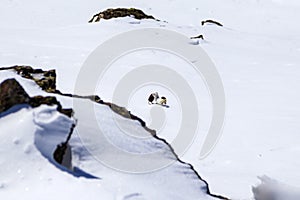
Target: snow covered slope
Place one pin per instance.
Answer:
(256, 54)
(25, 173)
(29, 138)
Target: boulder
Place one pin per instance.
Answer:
(12, 93)
(120, 12)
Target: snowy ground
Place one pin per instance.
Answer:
(256, 54)
(30, 137)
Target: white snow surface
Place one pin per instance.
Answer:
(29, 138)
(257, 56)
(274, 190)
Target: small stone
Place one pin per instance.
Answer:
(16, 141)
(27, 149)
(2, 185)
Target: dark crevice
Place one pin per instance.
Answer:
(61, 148)
(127, 114)
(191, 167)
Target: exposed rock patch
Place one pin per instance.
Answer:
(12, 93)
(62, 153)
(197, 37)
(127, 114)
(210, 21)
(45, 79)
(120, 12)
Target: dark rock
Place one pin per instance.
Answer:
(67, 111)
(127, 114)
(198, 37)
(211, 22)
(120, 12)
(12, 93)
(38, 100)
(62, 153)
(59, 152)
(47, 83)
(45, 79)
(94, 98)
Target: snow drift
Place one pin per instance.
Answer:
(30, 137)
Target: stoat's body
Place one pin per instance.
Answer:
(153, 98)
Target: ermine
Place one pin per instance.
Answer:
(153, 98)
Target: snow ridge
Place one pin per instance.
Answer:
(117, 109)
(53, 128)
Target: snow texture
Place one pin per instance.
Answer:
(256, 53)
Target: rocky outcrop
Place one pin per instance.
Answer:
(12, 93)
(127, 114)
(45, 79)
(120, 12)
(210, 21)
